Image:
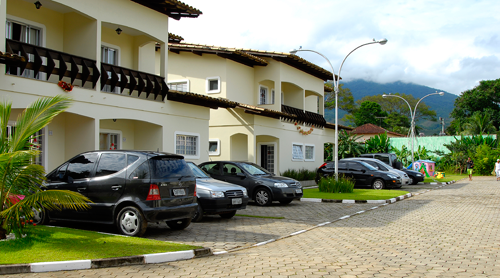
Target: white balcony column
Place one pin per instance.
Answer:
(164, 60)
(3, 19)
(98, 62)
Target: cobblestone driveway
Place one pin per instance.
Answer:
(448, 232)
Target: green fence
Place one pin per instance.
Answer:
(431, 143)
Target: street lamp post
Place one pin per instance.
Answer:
(412, 116)
(336, 90)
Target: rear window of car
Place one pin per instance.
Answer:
(169, 167)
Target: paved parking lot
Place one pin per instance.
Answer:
(449, 232)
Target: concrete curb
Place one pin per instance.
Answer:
(388, 201)
(103, 263)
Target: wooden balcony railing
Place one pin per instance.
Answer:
(58, 65)
(303, 116)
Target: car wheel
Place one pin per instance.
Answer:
(378, 184)
(131, 221)
(198, 216)
(263, 197)
(228, 215)
(411, 180)
(286, 202)
(180, 224)
(40, 216)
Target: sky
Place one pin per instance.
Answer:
(446, 45)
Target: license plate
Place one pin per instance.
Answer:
(179, 192)
(298, 190)
(236, 201)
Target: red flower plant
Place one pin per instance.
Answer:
(65, 86)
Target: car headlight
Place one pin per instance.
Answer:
(393, 176)
(245, 193)
(419, 175)
(280, 184)
(216, 194)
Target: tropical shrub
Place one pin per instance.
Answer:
(300, 175)
(484, 159)
(379, 143)
(18, 176)
(348, 146)
(330, 185)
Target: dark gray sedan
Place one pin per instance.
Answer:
(263, 187)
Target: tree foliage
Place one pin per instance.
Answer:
(484, 97)
(398, 106)
(348, 146)
(368, 113)
(480, 123)
(379, 143)
(345, 98)
(18, 176)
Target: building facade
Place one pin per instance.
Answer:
(116, 61)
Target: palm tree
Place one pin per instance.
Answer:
(480, 123)
(19, 176)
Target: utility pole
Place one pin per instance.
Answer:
(442, 127)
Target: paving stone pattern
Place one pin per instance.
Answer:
(448, 232)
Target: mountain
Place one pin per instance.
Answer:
(443, 105)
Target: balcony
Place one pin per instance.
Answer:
(82, 72)
(303, 117)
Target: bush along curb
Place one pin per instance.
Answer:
(103, 263)
(388, 201)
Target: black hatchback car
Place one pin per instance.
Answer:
(263, 187)
(127, 188)
(362, 173)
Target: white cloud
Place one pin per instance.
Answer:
(448, 45)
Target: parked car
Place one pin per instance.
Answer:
(415, 176)
(379, 165)
(127, 188)
(391, 160)
(362, 173)
(388, 158)
(217, 197)
(263, 187)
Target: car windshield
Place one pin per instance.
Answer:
(254, 169)
(368, 166)
(197, 171)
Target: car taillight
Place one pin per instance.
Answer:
(195, 190)
(154, 193)
(322, 165)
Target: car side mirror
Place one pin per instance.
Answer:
(69, 179)
(364, 171)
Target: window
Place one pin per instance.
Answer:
(297, 152)
(142, 172)
(187, 144)
(109, 55)
(230, 170)
(213, 147)
(28, 34)
(213, 85)
(309, 154)
(110, 163)
(81, 166)
(264, 97)
(109, 140)
(179, 85)
(354, 166)
(211, 168)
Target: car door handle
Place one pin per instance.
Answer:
(81, 189)
(116, 187)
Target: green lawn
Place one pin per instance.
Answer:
(47, 244)
(447, 178)
(358, 194)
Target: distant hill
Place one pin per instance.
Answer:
(443, 105)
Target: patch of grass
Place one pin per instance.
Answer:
(47, 244)
(358, 194)
(257, 216)
(447, 178)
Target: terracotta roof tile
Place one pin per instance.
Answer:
(373, 129)
(172, 8)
